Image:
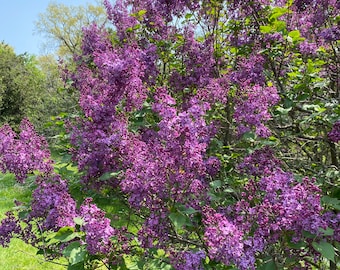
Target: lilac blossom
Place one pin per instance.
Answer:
(308, 47)
(97, 228)
(52, 203)
(23, 154)
(199, 65)
(260, 162)
(223, 239)
(282, 205)
(188, 260)
(252, 108)
(9, 228)
(334, 134)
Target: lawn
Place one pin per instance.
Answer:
(19, 255)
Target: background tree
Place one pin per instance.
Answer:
(62, 25)
(21, 84)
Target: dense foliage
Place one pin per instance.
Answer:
(62, 26)
(20, 85)
(212, 125)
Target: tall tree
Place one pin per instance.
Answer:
(20, 84)
(63, 24)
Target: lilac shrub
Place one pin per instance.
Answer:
(25, 153)
(164, 100)
(52, 207)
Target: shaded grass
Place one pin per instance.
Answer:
(18, 255)
(22, 256)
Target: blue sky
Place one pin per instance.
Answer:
(17, 22)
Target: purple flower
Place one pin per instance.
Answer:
(9, 227)
(252, 108)
(334, 134)
(260, 162)
(188, 260)
(23, 154)
(308, 48)
(52, 203)
(97, 228)
(223, 238)
(331, 34)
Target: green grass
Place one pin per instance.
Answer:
(18, 255)
(22, 256)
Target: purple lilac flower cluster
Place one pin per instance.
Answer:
(223, 239)
(97, 228)
(275, 206)
(253, 98)
(52, 203)
(157, 15)
(23, 154)
(334, 134)
(9, 227)
(252, 109)
(260, 162)
(188, 260)
(198, 61)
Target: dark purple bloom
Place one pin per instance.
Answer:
(334, 134)
(9, 228)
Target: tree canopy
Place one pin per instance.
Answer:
(62, 25)
(21, 83)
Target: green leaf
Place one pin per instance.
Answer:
(283, 111)
(269, 265)
(265, 29)
(325, 249)
(79, 221)
(332, 202)
(157, 264)
(179, 220)
(188, 16)
(294, 35)
(75, 252)
(133, 264)
(141, 12)
(278, 12)
(216, 184)
(109, 175)
(188, 211)
(308, 235)
(78, 266)
(65, 234)
(327, 232)
(297, 245)
(280, 25)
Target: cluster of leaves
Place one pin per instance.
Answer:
(20, 84)
(213, 124)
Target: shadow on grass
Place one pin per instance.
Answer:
(18, 256)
